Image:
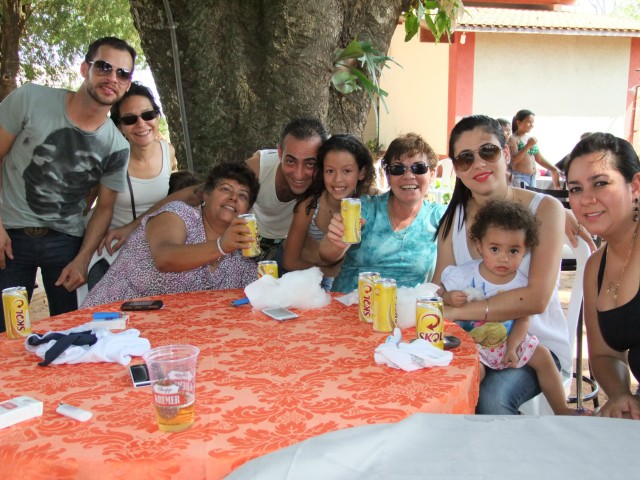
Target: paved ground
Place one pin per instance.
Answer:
(40, 310)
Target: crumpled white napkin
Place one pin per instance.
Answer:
(110, 347)
(410, 356)
(298, 289)
(405, 303)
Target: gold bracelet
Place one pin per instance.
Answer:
(486, 310)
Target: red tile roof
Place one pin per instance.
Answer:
(508, 20)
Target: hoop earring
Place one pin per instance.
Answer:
(636, 209)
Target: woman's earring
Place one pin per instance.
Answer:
(636, 209)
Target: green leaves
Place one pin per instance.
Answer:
(440, 17)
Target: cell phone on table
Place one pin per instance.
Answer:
(139, 375)
(142, 305)
(279, 314)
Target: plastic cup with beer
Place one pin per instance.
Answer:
(172, 371)
(350, 210)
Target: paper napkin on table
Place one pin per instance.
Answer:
(298, 289)
(410, 356)
(99, 345)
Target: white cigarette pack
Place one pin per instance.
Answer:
(18, 410)
(119, 323)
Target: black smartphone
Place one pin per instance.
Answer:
(139, 375)
(142, 305)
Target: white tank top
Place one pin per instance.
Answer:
(273, 216)
(146, 192)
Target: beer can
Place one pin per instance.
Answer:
(254, 250)
(384, 305)
(268, 267)
(350, 209)
(366, 282)
(430, 320)
(15, 302)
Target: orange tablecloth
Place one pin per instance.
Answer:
(261, 385)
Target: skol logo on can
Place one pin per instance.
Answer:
(350, 210)
(429, 320)
(254, 250)
(366, 282)
(268, 267)
(16, 312)
(384, 305)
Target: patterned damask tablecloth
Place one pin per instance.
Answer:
(261, 385)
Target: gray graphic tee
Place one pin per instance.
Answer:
(52, 164)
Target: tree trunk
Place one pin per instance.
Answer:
(248, 67)
(11, 28)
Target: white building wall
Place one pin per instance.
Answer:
(573, 84)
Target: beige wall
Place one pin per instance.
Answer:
(573, 84)
(418, 92)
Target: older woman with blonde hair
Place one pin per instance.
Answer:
(399, 224)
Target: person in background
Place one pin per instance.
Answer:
(284, 173)
(180, 248)
(503, 232)
(480, 158)
(506, 128)
(603, 178)
(182, 179)
(55, 146)
(562, 163)
(137, 116)
(344, 169)
(525, 152)
(399, 224)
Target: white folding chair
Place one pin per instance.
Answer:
(539, 405)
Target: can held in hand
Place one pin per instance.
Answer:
(350, 209)
(366, 281)
(384, 305)
(430, 320)
(268, 267)
(254, 250)
(15, 302)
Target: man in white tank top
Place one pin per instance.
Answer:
(284, 175)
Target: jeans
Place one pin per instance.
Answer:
(51, 252)
(503, 391)
(518, 178)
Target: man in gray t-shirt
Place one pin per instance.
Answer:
(55, 146)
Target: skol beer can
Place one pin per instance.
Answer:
(366, 282)
(16, 312)
(268, 267)
(430, 320)
(254, 250)
(384, 305)
(350, 210)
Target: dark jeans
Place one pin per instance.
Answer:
(51, 252)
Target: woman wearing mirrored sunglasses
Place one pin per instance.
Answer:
(480, 159)
(151, 161)
(397, 236)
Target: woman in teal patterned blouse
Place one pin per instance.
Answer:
(397, 236)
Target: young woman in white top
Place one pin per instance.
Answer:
(150, 164)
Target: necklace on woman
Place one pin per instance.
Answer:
(395, 229)
(612, 289)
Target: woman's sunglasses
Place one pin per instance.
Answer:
(103, 69)
(487, 152)
(146, 116)
(418, 168)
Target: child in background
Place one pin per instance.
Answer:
(344, 169)
(182, 179)
(503, 231)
